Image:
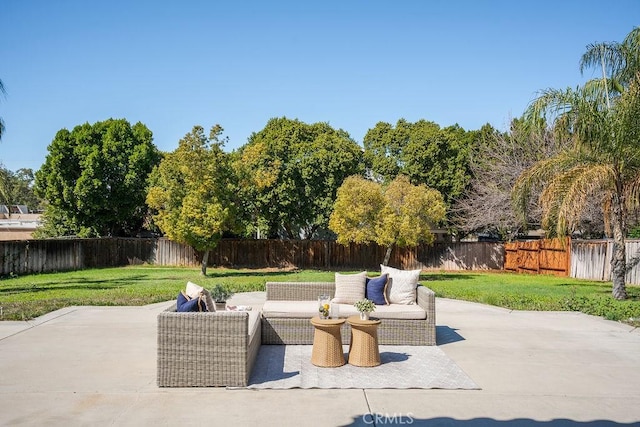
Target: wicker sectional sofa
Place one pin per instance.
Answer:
(207, 349)
(219, 349)
(290, 305)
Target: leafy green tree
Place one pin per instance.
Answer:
(95, 179)
(192, 192)
(384, 149)
(399, 214)
(290, 172)
(18, 189)
(424, 152)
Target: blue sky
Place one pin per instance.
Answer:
(351, 63)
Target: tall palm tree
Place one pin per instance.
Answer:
(619, 61)
(4, 182)
(2, 92)
(602, 120)
(602, 161)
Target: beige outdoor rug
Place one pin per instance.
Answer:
(402, 367)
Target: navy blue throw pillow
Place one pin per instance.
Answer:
(184, 304)
(376, 289)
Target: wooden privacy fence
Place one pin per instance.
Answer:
(329, 254)
(591, 259)
(580, 258)
(545, 256)
(39, 256)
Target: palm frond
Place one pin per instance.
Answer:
(632, 193)
(2, 128)
(627, 127)
(631, 53)
(539, 175)
(568, 193)
(609, 52)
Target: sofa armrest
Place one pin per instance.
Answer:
(427, 300)
(203, 349)
(298, 291)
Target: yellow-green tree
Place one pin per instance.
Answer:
(400, 214)
(191, 192)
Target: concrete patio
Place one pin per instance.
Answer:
(97, 366)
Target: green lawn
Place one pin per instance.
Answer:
(537, 292)
(31, 296)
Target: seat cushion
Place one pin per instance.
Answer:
(309, 309)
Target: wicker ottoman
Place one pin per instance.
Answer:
(327, 343)
(363, 350)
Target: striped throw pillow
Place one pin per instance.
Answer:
(349, 288)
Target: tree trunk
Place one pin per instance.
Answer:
(387, 255)
(618, 258)
(203, 266)
(289, 231)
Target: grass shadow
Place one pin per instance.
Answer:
(77, 283)
(250, 273)
(440, 277)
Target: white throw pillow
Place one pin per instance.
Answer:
(193, 290)
(402, 285)
(350, 288)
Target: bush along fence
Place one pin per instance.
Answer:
(39, 256)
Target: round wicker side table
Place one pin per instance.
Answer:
(327, 343)
(363, 350)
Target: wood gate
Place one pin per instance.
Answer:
(545, 256)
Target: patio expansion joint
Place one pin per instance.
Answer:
(366, 399)
(34, 323)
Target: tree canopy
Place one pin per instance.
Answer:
(94, 179)
(289, 174)
(397, 214)
(496, 161)
(191, 192)
(422, 151)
